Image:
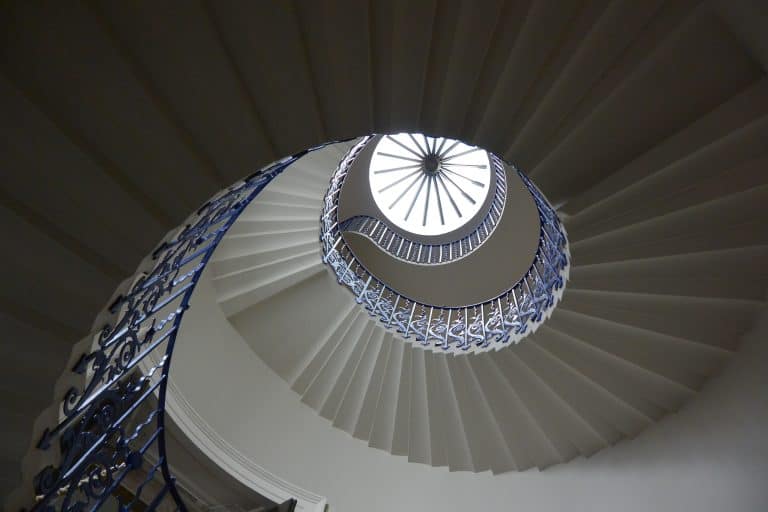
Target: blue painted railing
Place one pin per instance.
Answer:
(111, 423)
(110, 426)
(506, 318)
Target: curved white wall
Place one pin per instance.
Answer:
(710, 457)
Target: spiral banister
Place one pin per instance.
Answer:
(111, 420)
(488, 325)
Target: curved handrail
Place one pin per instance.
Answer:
(112, 419)
(509, 316)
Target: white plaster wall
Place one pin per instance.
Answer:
(710, 457)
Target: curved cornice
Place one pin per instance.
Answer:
(232, 460)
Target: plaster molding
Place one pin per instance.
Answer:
(233, 461)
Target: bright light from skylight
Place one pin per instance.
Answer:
(428, 186)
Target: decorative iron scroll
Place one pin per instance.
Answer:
(507, 317)
(112, 424)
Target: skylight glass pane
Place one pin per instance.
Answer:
(428, 186)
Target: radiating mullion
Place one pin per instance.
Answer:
(400, 157)
(451, 157)
(383, 171)
(474, 182)
(397, 200)
(439, 150)
(477, 166)
(450, 197)
(414, 173)
(423, 151)
(426, 144)
(404, 146)
(469, 198)
(426, 202)
(418, 193)
(439, 202)
(445, 153)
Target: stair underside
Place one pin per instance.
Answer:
(667, 277)
(644, 121)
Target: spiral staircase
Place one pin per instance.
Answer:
(607, 364)
(643, 123)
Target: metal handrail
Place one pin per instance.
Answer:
(112, 420)
(507, 317)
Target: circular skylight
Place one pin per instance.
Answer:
(428, 186)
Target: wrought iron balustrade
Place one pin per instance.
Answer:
(110, 424)
(507, 317)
